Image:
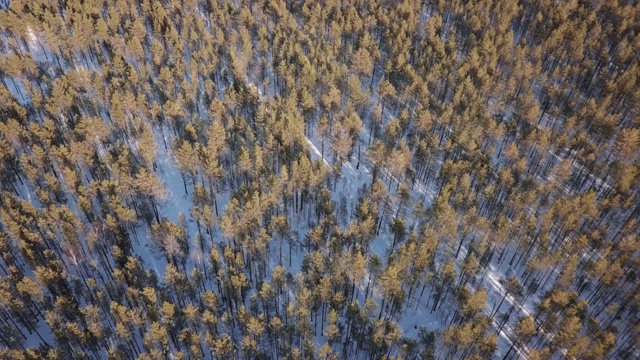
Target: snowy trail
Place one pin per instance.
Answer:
(316, 151)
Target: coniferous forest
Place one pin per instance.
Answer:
(287, 179)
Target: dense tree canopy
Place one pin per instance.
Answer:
(209, 179)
